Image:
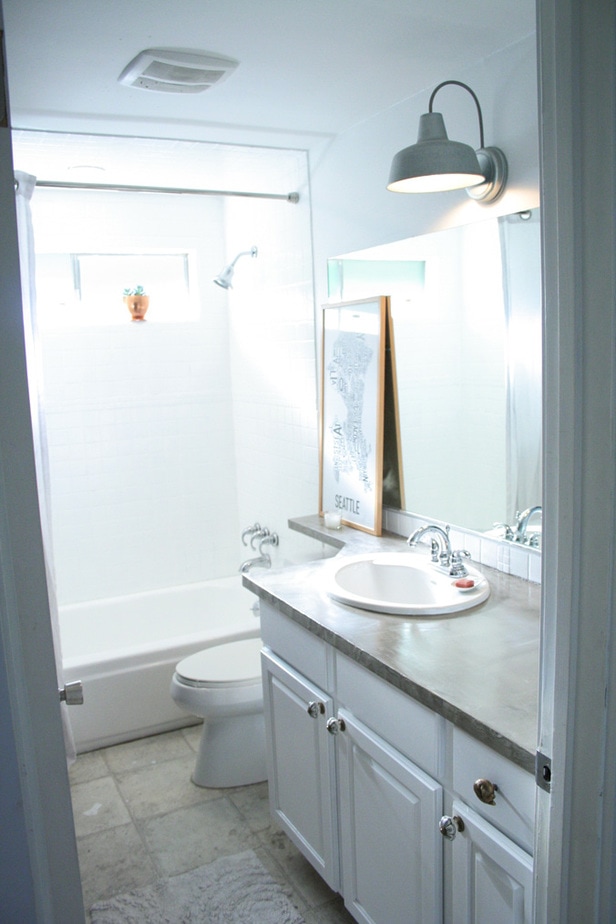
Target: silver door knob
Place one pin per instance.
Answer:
(449, 826)
(72, 693)
(335, 725)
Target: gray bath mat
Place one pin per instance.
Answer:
(232, 890)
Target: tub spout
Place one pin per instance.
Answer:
(263, 561)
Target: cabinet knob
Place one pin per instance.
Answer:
(449, 826)
(314, 709)
(485, 790)
(335, 725)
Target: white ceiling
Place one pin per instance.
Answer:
(309, 69)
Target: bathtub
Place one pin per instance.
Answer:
(124, 651)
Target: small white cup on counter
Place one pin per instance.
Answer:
(333, 519)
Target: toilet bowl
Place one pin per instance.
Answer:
(222, 685)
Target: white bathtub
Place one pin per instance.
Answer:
(124, 650)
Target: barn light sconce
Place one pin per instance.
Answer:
(435, 163)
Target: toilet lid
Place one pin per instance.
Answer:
(233, 662)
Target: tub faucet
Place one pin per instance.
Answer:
(522, 520)
(264, 561)
(440, 546)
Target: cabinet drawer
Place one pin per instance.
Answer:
(295, 645)
(414, 730)
(513, 811)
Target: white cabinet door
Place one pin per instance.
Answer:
(301, 764)
(492, 878)
(391, 846)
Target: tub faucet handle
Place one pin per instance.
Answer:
(250, 531)
(259, 534)
(269, 539)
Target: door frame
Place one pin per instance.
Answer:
(39, 872)
(575, 840)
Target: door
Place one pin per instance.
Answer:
(391, 846)
(39, 872)
(301, 768)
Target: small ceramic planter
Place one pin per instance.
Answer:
(137, 305)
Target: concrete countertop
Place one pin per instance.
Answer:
(479, 669)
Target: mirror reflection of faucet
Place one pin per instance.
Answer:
(522, 521)
(521, 532)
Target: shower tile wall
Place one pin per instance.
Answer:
(273, 369)
(166, 439)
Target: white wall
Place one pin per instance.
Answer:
(273, 367)
(167, 439)
(352, 208)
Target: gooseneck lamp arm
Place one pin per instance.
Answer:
(435, 163)
(458, 83)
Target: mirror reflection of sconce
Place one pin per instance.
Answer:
(435, 163)
(225, 276)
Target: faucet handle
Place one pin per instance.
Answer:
(458, 568)
(249, 531)
(260, 534)
(269, 539)
(507, 530)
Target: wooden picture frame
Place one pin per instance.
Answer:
(352, 412)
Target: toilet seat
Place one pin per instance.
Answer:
(232, 664)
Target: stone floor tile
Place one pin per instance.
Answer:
(190, 837)
(192, 734)
(113, 862)
(88, 766)
(146, 751)
(253, 803)
(97, 805)
(162, 787)
(332, 912)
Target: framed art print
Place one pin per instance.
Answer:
(352, 412)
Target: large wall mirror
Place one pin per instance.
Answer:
(466, 310)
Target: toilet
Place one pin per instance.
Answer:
(222, 685)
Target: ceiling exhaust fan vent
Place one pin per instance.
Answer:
(170, 70)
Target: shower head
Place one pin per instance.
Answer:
(226, 275)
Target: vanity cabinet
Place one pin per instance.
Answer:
(491, 877)
(360, 776)
(491, 863)
(301, 768)
(390, 846)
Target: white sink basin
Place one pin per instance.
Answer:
(403, 584)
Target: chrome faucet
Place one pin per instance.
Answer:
(522, 520)
(263, 559)
(440, 546)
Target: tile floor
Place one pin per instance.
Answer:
(138, 816)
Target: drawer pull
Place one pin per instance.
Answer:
(485, 790)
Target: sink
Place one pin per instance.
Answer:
(403, 584)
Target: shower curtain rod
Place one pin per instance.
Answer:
(53, 184)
